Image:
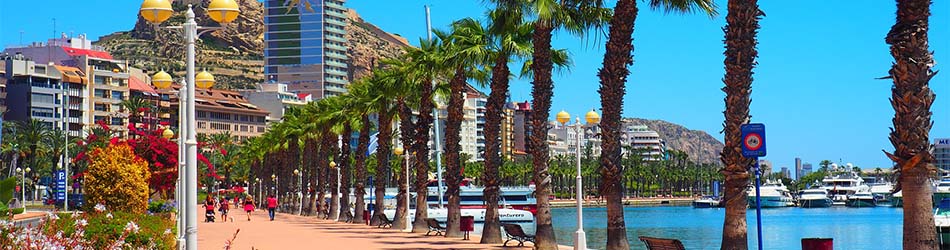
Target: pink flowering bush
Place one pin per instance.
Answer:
(98, 229)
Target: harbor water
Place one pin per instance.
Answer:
(782, 228)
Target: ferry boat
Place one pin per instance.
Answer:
(815, 197)
(841, 186)
(706, 202)
(942, 222)
(773, 194)
(861, 199)
(506, 216)
(519, 198)
(941, 189)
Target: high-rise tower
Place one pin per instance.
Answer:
(305, 46)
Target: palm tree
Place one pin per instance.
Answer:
(613, 75)
(30, 136)
(136, 107)
(467, 50)
(511, 38)
(911, 98)
(359, 92)
(550, 15)
(742, 25)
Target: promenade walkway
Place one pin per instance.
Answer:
(296, 232)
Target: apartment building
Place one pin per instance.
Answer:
(306, 48)
(52, 94)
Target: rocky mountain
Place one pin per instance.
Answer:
(235, 54)
(699, 145)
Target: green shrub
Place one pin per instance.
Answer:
(155, 231)
(7, 186)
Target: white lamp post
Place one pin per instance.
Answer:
(260, 186)
(276, 180)
(580, 238)
(337, 190)
(23, 184)
(221, 11)
(299, 191)
(399, 152)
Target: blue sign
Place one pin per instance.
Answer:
(60, 185)
(753, 140)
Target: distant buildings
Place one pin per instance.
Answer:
(515, 129)
(223, 111)
(806, 169)
(275, 98)
(765, 166)
(786, 173)
(39, 92)
(643, 140)
(942, 153)
(106, 79)
(798, 168)
(306, 48)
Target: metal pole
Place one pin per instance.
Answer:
(300, 193)
(66, 145)
(580, 239)
(435, 124)
(337, 190)
(191, 143)
(408, 224)
(180, 185)
(758, 203)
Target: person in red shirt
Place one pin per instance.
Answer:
(223, 206)
(271, 206)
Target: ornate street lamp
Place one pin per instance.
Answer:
(337, 191)
(580, 239)
(399, 152)
(299, 191)
(156, 12)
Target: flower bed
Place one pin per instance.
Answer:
(99, 229)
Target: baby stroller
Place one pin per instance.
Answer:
(209, 215)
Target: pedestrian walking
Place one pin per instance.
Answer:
(248, 206)
(271, 206)
(224, 206)
(209, 209)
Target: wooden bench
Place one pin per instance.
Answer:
(514, 232)
(384, 221)
(434, 226)
(662, 244)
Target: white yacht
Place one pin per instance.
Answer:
(861, 199)
(842, 185)
(897, 200)
(941, 190)
(706, 202)
(815, 197)
(942, 221)
(882, 191)
(773, 194)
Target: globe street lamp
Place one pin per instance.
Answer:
(23, 183)
(221, 11)
(580, 239)
(399, 152)
(299, 191)
(259, 187)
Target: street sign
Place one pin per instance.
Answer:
(753, 140)
(60, 185)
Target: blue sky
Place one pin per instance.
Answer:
(814, 87)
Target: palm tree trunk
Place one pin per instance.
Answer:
(312, 174)
(345, 166)
(334, 174)
(406, 130)
(542, 91)
(491, 233)
(613, 76)
(911, 98)
(384, 140)
(360, 161)
(742, 24)
(453, 175)
(421, 156)
(323, 166)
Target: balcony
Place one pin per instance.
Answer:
(334, 4)
(336, 22)
(335, 38)
(331, 88)
(335, 55)
(336, 64)
(335, 47)
(332, 12)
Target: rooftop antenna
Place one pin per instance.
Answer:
(49, 47)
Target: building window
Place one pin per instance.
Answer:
(101, 107)
(220, 116)
(102, 80)
(260, 129)
(201, 124)
(260, 119)
(43, 98)
(243, 128)
(117, 95)
(102, 93)
(43, 112)
(116, 121)
(202, 114)
(220, 126)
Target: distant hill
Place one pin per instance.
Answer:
(235, 55)
(699, 145)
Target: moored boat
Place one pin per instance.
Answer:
(941, 190)
(897, 199)
(772, 194)
(842, 185)
(862, 199)
(942, 222)
(815, 197)
(706, 202)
